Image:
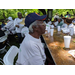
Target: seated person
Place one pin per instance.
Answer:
(64, 24)
(47, 26)
(31, 49)
(3, 24)
(60, 22)
(72, 25)
(49, 21)
(67, 15)
(10, 26)
(61, 15)
(19, 26)
(55, 22)
(52, 25)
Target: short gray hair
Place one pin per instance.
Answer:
(35, 23)
(31, 25)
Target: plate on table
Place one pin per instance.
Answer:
(72, 52)
(65, 31)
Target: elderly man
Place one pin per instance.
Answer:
(18, 26)
(31, 49)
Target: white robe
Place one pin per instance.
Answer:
(17, 22)
(10, 27)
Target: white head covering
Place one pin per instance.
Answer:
(10, 18)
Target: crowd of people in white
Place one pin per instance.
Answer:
(16, 27)
(59, 22)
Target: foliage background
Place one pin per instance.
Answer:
(5, 13)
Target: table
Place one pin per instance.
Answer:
(56, 48)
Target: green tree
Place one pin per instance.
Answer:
(63, 11)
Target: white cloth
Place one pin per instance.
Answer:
(48, 27)
(31, 52)
(10, 18)
(24, 31)
(56, 23)
(64, 25)
(17, 22)
(50, 22)
(73, 26)
(52, 26)
(10, 26)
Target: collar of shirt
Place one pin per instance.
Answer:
(32, 38)
(19, 20)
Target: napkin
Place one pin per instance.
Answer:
(72, 52)
(65, 30)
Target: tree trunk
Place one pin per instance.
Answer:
(49, 13)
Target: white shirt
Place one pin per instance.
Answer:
(73, 26)
(56, 16)
(49, 22)
(52, 26)
(48, 27)
(17, 22)
(31, 52)
(56, 23)
(64, 25)
(10, 25)
(24, 31)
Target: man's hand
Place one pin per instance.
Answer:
(17, 26)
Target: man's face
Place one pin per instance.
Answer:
(41, 27)
(55, 20)
(20, 16)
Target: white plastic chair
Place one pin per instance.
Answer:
(2, 39)
(8, 59)
(3, 50)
